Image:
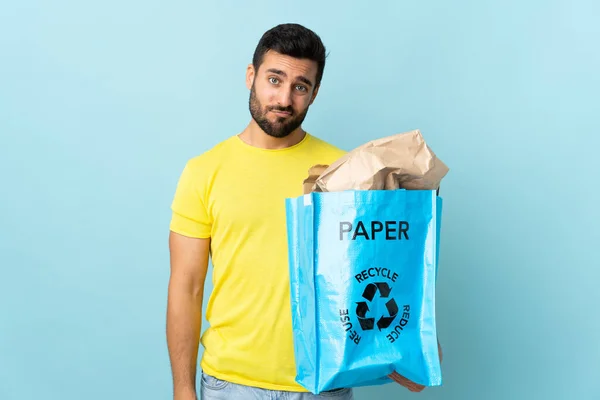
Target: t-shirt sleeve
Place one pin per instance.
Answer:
(190, 216)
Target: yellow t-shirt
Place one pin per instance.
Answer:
(235, 194)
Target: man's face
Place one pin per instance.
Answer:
(281, 92)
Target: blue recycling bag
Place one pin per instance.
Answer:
(363, 267)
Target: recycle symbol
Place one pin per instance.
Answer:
(362, 308)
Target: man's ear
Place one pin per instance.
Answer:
(314, 95)
(250, 74)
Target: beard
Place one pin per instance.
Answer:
(282, 127)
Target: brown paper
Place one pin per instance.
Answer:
(401, 161)
(313, 173)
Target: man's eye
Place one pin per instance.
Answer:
(301, 88)
(273, 80)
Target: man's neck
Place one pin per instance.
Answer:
(255, 136)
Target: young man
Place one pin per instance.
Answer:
(229, 204)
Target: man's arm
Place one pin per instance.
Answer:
(189, 263)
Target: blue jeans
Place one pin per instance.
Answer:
(213, 388)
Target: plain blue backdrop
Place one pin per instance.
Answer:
(102, 102)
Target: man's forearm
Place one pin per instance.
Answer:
(184, 316)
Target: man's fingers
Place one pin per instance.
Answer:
(410, 385)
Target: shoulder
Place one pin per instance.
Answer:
(211, 158)
(199, 171)
(325, 147)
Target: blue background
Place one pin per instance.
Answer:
(101, 104)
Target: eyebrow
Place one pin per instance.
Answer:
(300, 78)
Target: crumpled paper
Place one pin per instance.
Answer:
(313, 174)
(400, 161)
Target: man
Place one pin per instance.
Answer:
(229, 204)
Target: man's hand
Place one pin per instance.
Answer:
(410, 385)
(187, 395)
(407, 383)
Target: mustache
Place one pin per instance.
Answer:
(279, 108)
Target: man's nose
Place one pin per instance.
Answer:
(285, 97)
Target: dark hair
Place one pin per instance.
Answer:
(292, 40)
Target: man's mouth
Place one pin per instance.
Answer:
(281, 113)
